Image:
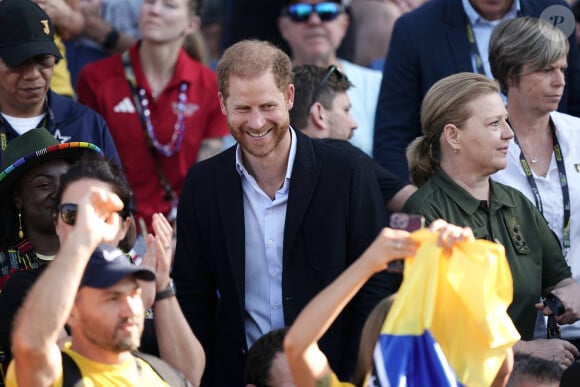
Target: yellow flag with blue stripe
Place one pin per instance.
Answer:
(449, 324)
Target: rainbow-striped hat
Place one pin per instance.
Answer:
(33, 148)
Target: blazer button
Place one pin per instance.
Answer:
(244, 351)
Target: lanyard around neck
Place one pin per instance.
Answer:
(170, 194)
(563, 183)
(473, 43)
(474, 50)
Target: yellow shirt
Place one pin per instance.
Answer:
(133, 372)
(334, 382)
(61, 82)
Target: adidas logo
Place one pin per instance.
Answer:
(125, 106)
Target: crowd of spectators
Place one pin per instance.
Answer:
(252, 152)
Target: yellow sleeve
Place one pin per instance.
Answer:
(61, 82)
(334, 382)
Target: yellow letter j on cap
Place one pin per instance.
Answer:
(45, 28)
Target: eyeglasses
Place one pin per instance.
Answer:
(42, 62)
(331, 69)
(300, 12)
(68, 213)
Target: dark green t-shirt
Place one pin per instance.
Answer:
(532, 250)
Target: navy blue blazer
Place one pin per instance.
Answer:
(334, 212)
(428, 44)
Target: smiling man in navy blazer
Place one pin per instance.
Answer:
(267, 224)
(431, 43)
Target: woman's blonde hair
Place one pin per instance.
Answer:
(446, 102)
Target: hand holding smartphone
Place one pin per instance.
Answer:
(402, 221)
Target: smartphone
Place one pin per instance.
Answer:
(402, 221)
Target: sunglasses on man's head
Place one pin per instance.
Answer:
(332, 69)
(68, 213)
(300, 12)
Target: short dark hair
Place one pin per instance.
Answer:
(528, 367)
(99, 169)
(261, 355)
(307, 82)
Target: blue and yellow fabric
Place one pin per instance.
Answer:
(449, 324)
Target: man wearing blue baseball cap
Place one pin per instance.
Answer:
(105, 314)
(27, 59)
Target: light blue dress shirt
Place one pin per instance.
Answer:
(482, 30)
(264, 221)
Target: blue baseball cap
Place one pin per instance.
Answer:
(108, 265)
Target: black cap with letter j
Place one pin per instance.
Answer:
(26, 31)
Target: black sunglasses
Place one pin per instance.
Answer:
(300, 12)
(329, 71)
(68, 213)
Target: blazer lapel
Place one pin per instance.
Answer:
(302, 183)
(457, 36)
(231, 213)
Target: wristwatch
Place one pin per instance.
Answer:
(169, 291)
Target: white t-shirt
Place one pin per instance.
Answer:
(23, 125)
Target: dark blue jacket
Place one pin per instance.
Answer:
(334, 212)
(70, 121)
(428, 44)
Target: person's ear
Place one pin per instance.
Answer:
(73, 316)
(193, 25)
(17, 200)
(283, 25)
(125, 227)
(452, 136)
(512, 80)
(317, 116)
(343, 20)
(222, 103)
(290, 93)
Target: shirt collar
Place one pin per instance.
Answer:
(291, 157)
(469, 204)
(475, 18)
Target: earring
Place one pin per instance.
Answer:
(20, 231)
(456, 151)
